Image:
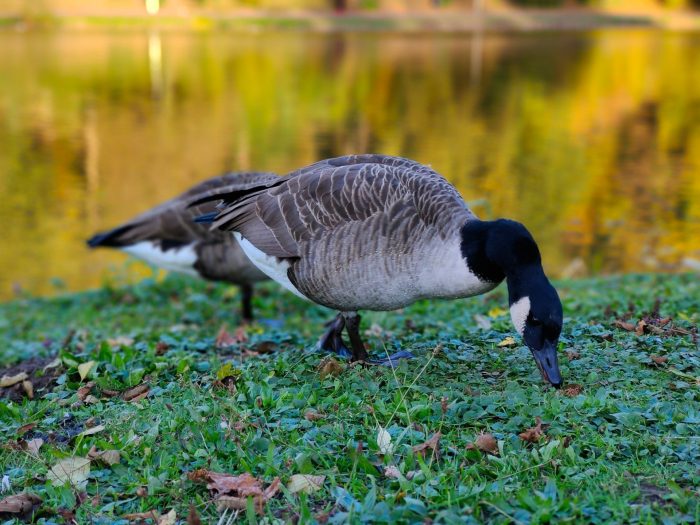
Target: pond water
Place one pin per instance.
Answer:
(591, 139)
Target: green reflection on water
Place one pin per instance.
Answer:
(592, 140)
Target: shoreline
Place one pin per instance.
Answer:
(505, 20)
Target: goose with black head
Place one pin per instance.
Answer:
(374, 232)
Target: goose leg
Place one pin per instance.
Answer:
(332, 340)
(352, 324)
(246, 303)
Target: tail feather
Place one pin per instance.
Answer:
(110, 238)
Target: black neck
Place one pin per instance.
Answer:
(501, 249)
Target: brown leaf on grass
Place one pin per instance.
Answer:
(534, 434)
(240, 334)
(639, 329)
(85, 390)
(142, 516)
(329, 367)
(572, 354)
(659, 359)
(225, 339)
(305, 483)
(136, 393)
(28, 387)
(118, 342)
(312, 415)
(168, 519)
(161, 347)
(432, 444)
(193, 516)
(33, 446)
(231, 492)
(624, 325)
(508, 341)
(6, 381)
(19, 505)
(109, 457)
(572, 390)
(25, 428)
(265, 347)
(485, 442)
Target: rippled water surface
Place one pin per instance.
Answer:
(591, 139)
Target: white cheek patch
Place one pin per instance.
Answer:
(519, 311)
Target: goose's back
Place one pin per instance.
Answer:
(360, 232)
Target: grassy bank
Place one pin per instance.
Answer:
(438, 21)
(619, 445)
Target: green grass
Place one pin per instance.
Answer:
(626, 450)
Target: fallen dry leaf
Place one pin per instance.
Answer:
(141, 516)
(508, 341)
(534, 434)
(231, 492)
(6, 381)
(28, 388)
(486, 443)
(91, 400)
(384, 441)
(624, 325)
(19, 504)
(639, 329)
(572, 354)
(572, 390)
(85, 390)
(93, 430)
(168, 519)
(659, 359)
(225, 339)
(84, 369)
(305, 483)
(109, 457)
(432, 444)
(329, 367)
(72, 470)
(33, 446)
(120, 341)
(25, 428)
(193, 516)
(136, 393)
(312, 415)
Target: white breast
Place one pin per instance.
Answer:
(443, 272)
(273, 267)
(175, 259)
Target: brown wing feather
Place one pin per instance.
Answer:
(173, 221)
(320, 198)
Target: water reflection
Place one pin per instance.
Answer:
(592, 140)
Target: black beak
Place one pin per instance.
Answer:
(546, 359)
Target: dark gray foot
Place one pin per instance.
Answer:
(352, 325)
(247, 303)
(393, 359)
(332, 339)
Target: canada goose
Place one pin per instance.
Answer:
(373, 232)
(167, 236)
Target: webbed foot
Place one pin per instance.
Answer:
(332, 339)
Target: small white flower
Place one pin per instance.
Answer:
(5, 485)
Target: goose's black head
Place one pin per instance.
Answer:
(500, 249)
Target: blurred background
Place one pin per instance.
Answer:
(581, 119)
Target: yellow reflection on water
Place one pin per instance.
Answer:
(592, 140)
